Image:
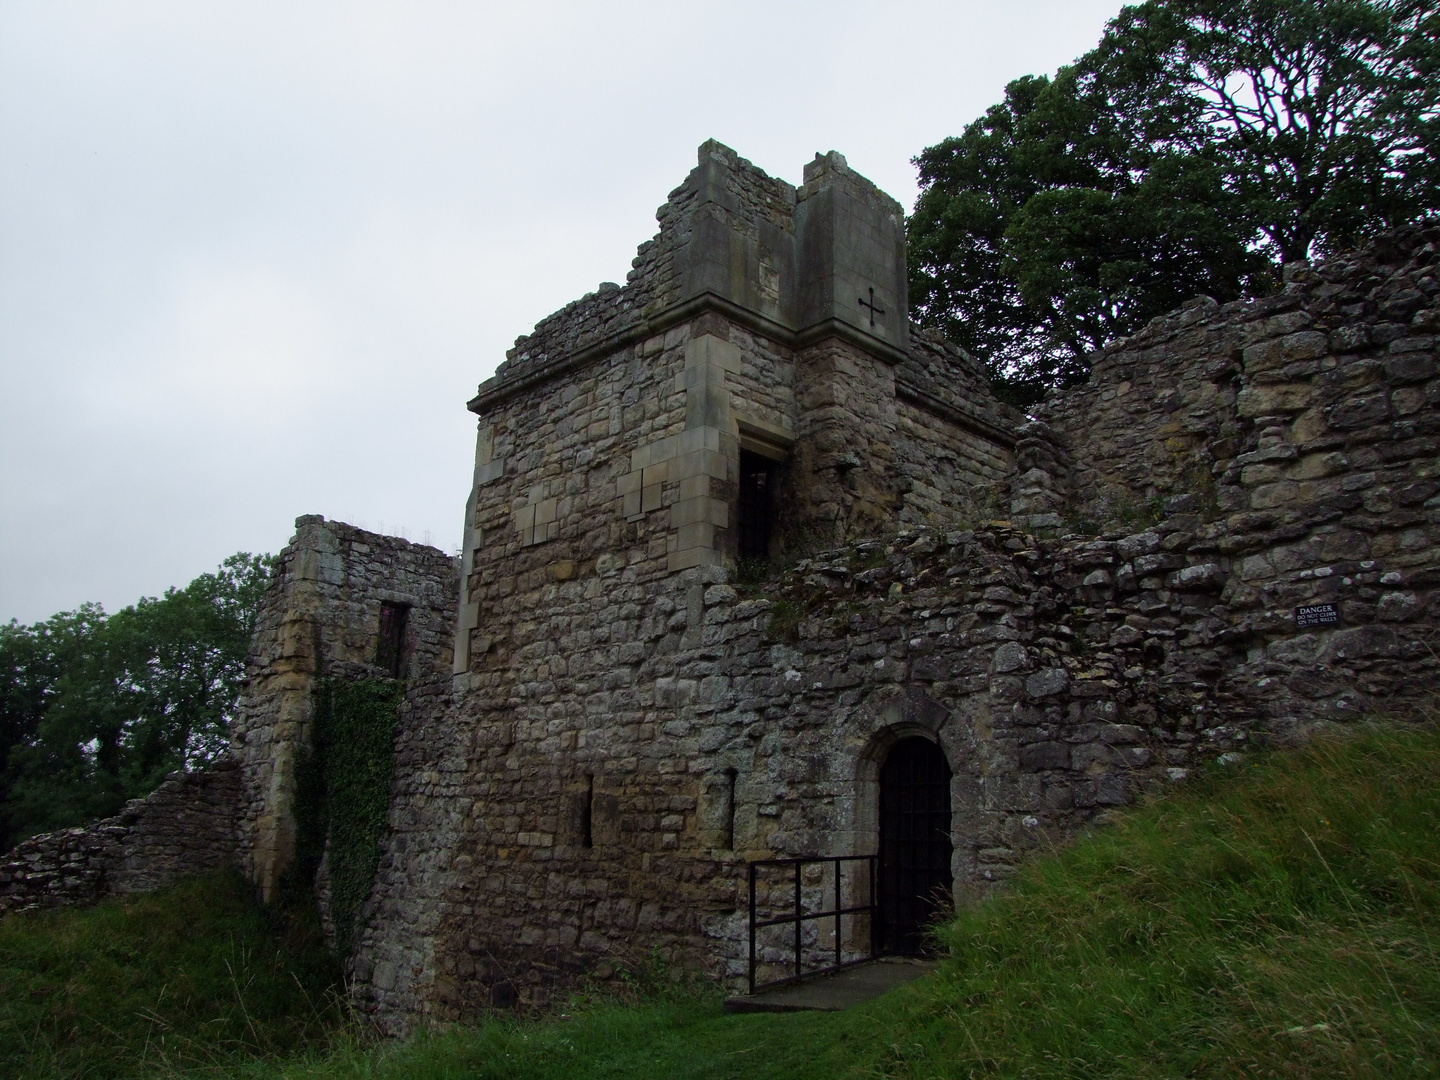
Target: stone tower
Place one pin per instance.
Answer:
(1227, 536)
(762, 320)
(755, 390)
(732, 591)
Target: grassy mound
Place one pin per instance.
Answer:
(194, 976)
(1282, 922)
(1279, 919)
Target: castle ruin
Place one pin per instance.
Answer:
(754, 567)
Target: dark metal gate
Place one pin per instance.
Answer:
(862, 945)
(915, 846)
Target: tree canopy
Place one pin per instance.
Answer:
(96, 709)
(1202, 145)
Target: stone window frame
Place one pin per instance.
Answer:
(774, 444)
(393, 656)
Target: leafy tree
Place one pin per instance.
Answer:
(97, 709)
(1200, 144)
(52, 731)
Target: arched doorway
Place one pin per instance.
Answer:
(915, 879)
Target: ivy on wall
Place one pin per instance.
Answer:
(343, 792)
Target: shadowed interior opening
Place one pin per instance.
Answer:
(756, 507)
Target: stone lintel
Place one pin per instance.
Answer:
(767, 440)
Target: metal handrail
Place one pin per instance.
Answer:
(801, 916)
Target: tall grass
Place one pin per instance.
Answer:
(1278, 919)
(197, 975)
(1278, 923)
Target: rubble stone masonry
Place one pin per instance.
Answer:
(555, 803)
(1228, 537)
(560, 807)
(185, 826)
(321, 617)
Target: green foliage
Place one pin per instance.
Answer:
(1198, 145)
(1283, 924)
(1321, 113)
(1273, 919)
(96, 709)
(784, 624)
(343, 793)
(198, 974)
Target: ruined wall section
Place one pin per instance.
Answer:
(561, 806)
(809, 285)
(920, 442)
(1155, 417)
(185, 826)
(1273, 408)
(434, 800)
(942, 376)
(1061, 676)
(540, 798)
(573, 484)
(479, 899)
(321, 617)
(576, 607)
(954, 440)
(725, 189)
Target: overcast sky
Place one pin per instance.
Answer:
(255, 257)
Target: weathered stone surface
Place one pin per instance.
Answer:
(321, 617)
(185, 826)
(627, 724)
(621, 724)
(1047, 682)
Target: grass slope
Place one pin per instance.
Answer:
(1277, 920)
(198, 975)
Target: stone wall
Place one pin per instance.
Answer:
(1301, 435)
(185, 826)
(321, 617)
(557, 808)
(618, 423)
(952, 437)
(1297, 409)
(626, 722)
(603, 508)
(1229, 537)
(1061, 677)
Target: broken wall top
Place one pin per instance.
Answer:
(1257, 406)
(826, 259)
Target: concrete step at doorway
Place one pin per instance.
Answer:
(831, 993)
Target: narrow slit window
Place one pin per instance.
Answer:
(729, 836)
(390, 652)
(587, 813)
(756, 508)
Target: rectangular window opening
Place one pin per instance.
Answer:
(729, 837)
(390, 651)
(755, 510)
(587, 813)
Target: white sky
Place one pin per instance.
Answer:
(255, 257)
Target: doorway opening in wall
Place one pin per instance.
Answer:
(755, 509)
(915, 845)
(390, 650)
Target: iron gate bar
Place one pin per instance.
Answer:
(801, 916)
